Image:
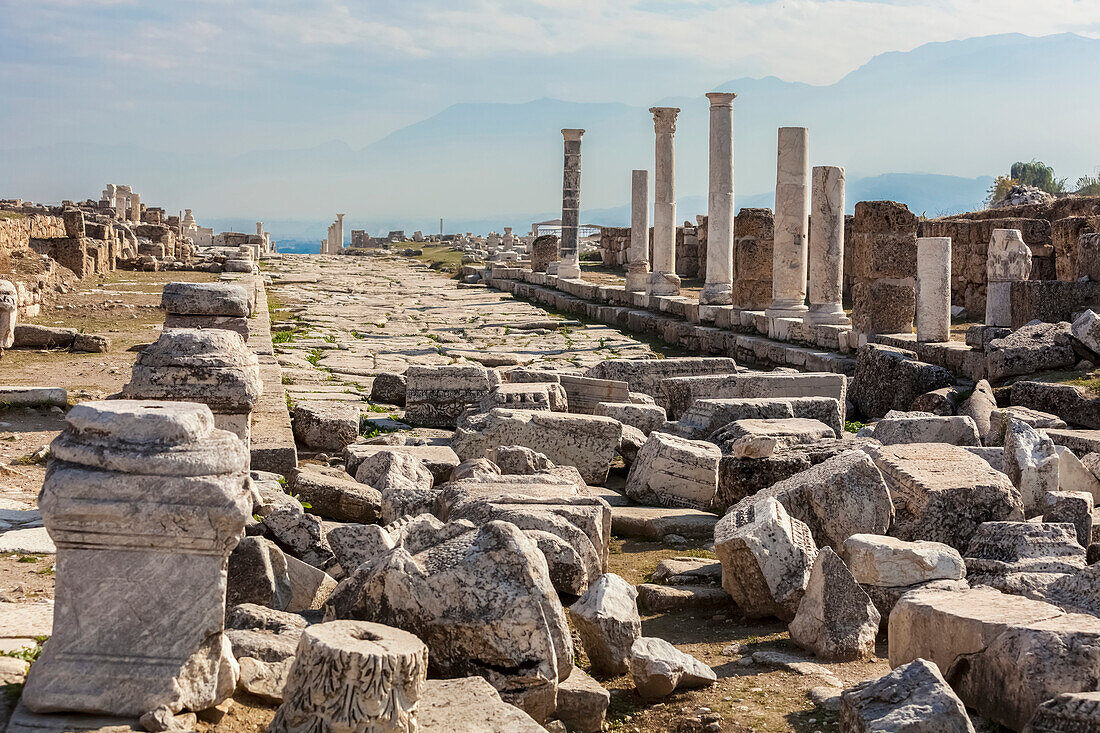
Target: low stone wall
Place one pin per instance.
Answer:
(15, 234)
(614, 244)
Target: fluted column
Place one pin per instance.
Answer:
(663, 280)
(718, 289)
(637, 269)
(827, 247)
(792, 214)
(570, 266)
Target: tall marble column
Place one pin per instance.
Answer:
(637, 269)
(135, 210)
(339, 234)
(827, 247)
(718, 289)
(792, 214)
(663, 280)
(570, 266)
(934, 289)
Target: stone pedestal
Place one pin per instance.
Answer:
(9, 313)
(827, 247)
(934, 289)
(637, 269)
(663, 280)
(792, 214)
(570, 266)
(1009, 260)
(145, 501)
(718, 289)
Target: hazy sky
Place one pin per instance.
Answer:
(226, 76)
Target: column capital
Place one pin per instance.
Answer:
(721, 99)
(572, 133)
(664, 119)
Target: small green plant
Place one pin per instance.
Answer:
(853, 426)
(27, 558)
(330, 339)
(284, 337)
(287, 379)
(315, 355)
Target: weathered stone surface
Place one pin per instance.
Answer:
(631, 443)
(480, 598)
(1074, 476)
(517, 459)
(914, 698)
(887, 561)
(153, 493)
(687, 571)
(258, 575)
(1071, 507)
(582, 703)
(954, 429)
(1069, 712)
(301, 534)
(355, 544)
(942, 493)
(887, 379)
(1022, 557)
(337, 498)
(766, 558)
(672, 471)
(475, 469)
(1031, 462)
(32, 336)
(1033, 348)
(606, 618)
(388, 388)
(353, 674)
(646, 418)
(654, 523)
(17, 396)
(587, 442)
(644, 375)
(470, 705)
(9, 313)
(521, 396)
(439, 459)
(787, 432)
(838, 498)
(885, 597)
(205, 299)
(1000, 419)
(403, 480)
(658, 668)
(943, 401)
(836, 619)
(681, 393)
(264, 642)
(707, 416)
(436, 396)
(91, 343)
(979, 407)
(326, 426)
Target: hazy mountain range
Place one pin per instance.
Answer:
(929, 127)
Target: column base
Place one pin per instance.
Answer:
(716, 294)
(637, 277)
(798, 313)
(552, 267)
(827, 314)
(569, 270)
(663, 283)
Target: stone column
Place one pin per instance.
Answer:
(718, 289)
(1009, 260)
(135, 208)
(145, 501)
(569, 266)
(827, 247)
(934, 289)
(260, 228)
(9, 313)
(792, 214)
(663, 280)
(339, 234)
(637, 269)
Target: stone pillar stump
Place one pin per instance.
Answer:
(664, 280)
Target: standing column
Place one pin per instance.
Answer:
(718, 289)
(570, 266)
(637, 269)
(827, 247)
(135, 210)
(663, 280)
(339, 234)
(1008, 260)
(934, 289)
(792, 214)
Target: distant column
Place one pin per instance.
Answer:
(1008, 260)
(718, 289)
(637, 269)
(570, 266)
(663, 280)
(827, 247)
(934, 289)
(135, 208)
(339, 234)
(792, 214)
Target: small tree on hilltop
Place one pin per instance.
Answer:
(1038, 174)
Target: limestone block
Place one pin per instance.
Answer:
(942, 493)
(999, 420)
(30, 336)
(1068, 712)
(587, 442)
(646, 418)
(470, 705)
(658, 668)
(258, 575)
(979, 407)
(913, 428)
(644, 375)
(355, 675)
(516, 459)
(1072, 507)
(326, 425)
(914, 698)
(440, 460)
(480, 598)
(787, 432)
(205, 299)
(1022, 557)
(355, 544)
(840, 497)
(153, 493)
(435, 396)
(672, 471)
(585, 393)
(341, 499)
(1031, 462)
(887, 561)
(607, 621)
(475, 470)
(522, 396)
(1032, 348)
(891, 379)
(836, 619)
(388, 388)
(236, 324)
(301, 534)
(766, 558)
(582, 703)
(1074, 476)
(885, 597)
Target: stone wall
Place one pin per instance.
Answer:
(614, 243)
(754, 231)
(15, 234)
(688, 263)
(881, 255)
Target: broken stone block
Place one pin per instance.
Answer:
(607, 621)
(153, 493)
(1072, 507)
(766, 557)
(645, 375)
(1069, 712)
(887, 561)
(584, 394)
(518, 460)
(836, 619)
(631, 443)
(672, 471)
(677, 598)
(787, 432)
(205, 299)
(658, 668)
(470, 704)
(1022, 557)
(707, 416)
(887, 379)
(942, 401)
(646, 418)
(979, 407)
(355, 544)
(582, 703)
(440, 460)
(942, 493)
(301, 534)
(389, 389)
(912, 428)
(436, 396)
(327, 426)
(885, 597)
(476, 469)
(257, 574)
(687, 571)
(521, 396)
(403, 480)
(913, 698)
(355, 675)
(264, 642)
(1036, 347)
(336, 498)
(587, 442)
(1031, 462)
(838, 498)
(91, 343)
(1074, 476)
(480, 598)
